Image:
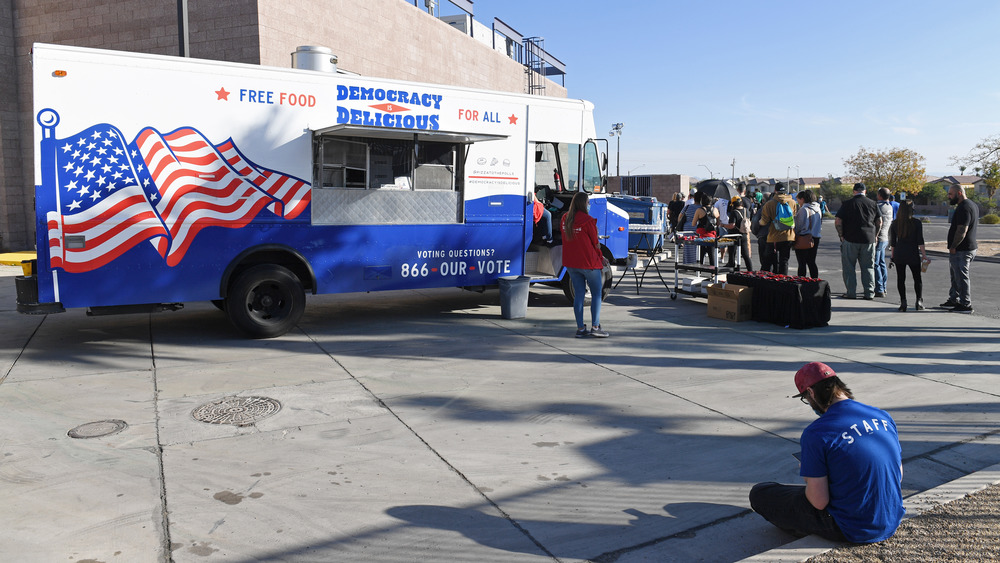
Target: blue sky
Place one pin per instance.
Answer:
(774, 84)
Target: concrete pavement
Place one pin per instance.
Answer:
(420, 425)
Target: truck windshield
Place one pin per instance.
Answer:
(557, 167)
(592, 180)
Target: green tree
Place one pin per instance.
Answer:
(833, 190)
(961, 169)
(991, 177)
(898, 170)
(931, 193)
(986, 157)
(986, 204)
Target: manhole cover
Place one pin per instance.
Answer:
(98, 429)
(238, 411)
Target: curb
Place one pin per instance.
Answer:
(993, 259)
(811, 546)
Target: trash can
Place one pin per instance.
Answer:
(514, 296)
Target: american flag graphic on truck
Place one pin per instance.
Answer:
(160, 188)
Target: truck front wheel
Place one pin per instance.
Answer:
(265, 301)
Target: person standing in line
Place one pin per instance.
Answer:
(686, 223)
(722, 207)
(962, 246)
(764, 250)
(705, 220)
(808, 221)
(858, 221)
(906, 250)
(739, 222)
(674, 209)
(882, 242)
(748, 202)
(852, 464)
(780, 235)
(584, 263)
(822, 206)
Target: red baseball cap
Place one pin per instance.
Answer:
(811, 374)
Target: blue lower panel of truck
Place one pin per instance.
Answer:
(343, 259)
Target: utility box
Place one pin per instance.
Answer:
(729, 302)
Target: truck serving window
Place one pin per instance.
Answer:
(374, 176)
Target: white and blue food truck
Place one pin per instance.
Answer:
(162, 180)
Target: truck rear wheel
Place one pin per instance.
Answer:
(265, 301)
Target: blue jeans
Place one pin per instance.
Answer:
(850, 254)
(546, 222)
(787, 507)
(581, 279)
(961, 284)
(881, 267)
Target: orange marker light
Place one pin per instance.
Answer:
(621, 228)
(59, 73)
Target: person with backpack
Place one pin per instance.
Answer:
(705, 220)
(749, 205)
(739, 222)
(778, 215)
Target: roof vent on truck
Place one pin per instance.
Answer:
(313, 57)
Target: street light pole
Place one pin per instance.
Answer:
(788, 177)
(710, 173)
(636, 168)
(616, 129)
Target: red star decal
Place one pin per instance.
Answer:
(222, 94)
(513, 119)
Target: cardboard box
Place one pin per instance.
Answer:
(694, 285)
(729, 302)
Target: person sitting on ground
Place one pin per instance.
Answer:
(852, 464)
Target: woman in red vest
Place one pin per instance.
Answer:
(584, 263)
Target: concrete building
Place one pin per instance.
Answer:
(661, 186)
(383, 38)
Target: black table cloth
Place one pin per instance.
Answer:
(786, 300)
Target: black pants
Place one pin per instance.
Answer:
(787, 507)
(918, 285)
(782, 250)
(744, 252)
(766, 252)
(807, 260)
